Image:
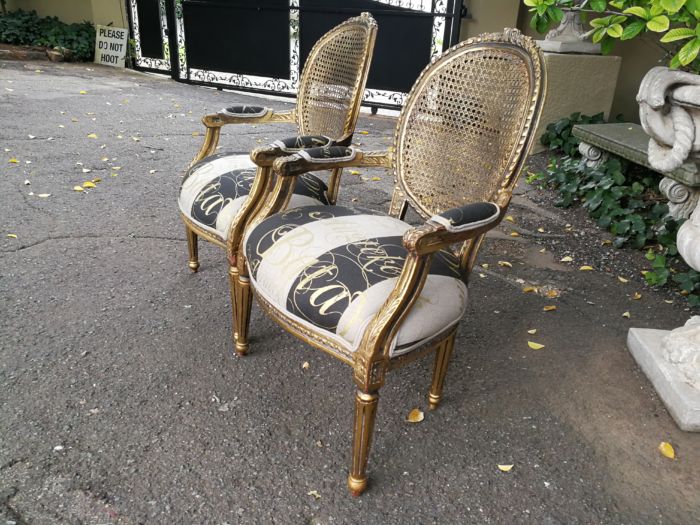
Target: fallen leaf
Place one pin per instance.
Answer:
(514, 234)
(363, 132)
(566, 259)
(509, 218)
(553, 294)
(83, 92)
(622, 279)
(586, 268)
(151, 171)
(96, 180)
(354, 172)
(89, 184)
(196, 133)
(116, 168)
(485, 266)
(73, 119)
(86, 170)
(666, 450)
(549, 308)
(305, 365)
(415, 416)
(505, 468)
(532, 331)
(114, 174)
(543, 250)
(606, 242)
(376, 178)
(529, 289)
(27, 182)
(482, 275)
(667, 301)
(13, 161)
(535, 346)
(104, 159)
(78, 188)
(31, 136)
(506, 264)
(135, 139)
(541, 230)
(637, 296)
(43, 195)
(314, 493)
(627, 315)
(12, 235)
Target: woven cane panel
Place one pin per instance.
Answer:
(331, 79)
(462, 128)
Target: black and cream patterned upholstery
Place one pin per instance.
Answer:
(468, 217)
(215, 188)
(332, 267)
(246, 111)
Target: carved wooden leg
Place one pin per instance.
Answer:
(365, 412)
(241, 302)
(192, 249)
(442, 359)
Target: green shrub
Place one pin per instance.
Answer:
(623, 199)
(26, 28)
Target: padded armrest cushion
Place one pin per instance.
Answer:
(296, 144)
(468, 217)
(327, 153)
(246, 111)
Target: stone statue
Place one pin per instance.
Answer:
(569, 37)
(669, 111)
(681, 348)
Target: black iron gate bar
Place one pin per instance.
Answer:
(443, 12)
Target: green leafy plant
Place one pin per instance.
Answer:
(622, 199)
(677, 22)
(27, 28)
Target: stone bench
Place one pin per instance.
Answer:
(628, 141)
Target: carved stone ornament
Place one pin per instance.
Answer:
(681, 348)
(682, 199)
(669, 111)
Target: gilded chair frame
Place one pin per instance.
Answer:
(371, 360)
(308, 119)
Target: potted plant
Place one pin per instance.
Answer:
(669, 97)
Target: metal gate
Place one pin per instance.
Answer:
(262, 46)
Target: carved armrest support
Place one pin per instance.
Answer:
(452, 226)
(266, 155)
(330, 157)
(237, 115)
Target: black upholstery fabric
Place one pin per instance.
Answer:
(246, 110)
(470, 214)
(329, 152)
(304, 141)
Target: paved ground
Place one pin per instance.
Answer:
(119, 404)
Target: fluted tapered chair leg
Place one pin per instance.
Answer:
(442, 359)
(193, 249)
(365, 412)
(241, 302)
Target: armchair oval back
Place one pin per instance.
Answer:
(465, 129)
(334, 78)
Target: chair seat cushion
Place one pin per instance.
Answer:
(215, 188)
(332, 267)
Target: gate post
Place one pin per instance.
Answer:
(173, 47)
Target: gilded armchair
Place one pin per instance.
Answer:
(213, 197)
(368, 288)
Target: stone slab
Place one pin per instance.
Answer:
(579, 46)
(630, 142)
(681, 400)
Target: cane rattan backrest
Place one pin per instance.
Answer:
(334, 77)
(468, 122)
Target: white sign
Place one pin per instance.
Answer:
(110, 46)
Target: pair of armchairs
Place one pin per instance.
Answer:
(360, 285)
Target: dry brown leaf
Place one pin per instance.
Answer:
(415, 416)
(667, 450)
(637, 296)
(622, 279)
(549, 308)
(535, 346)
(305, 365)
(541, 230)
(606, 242)
(553, 294)
(529, 289)
(505, 468)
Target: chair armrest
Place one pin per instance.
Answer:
(264, 156)
(330, 157)
(452, 226)
(247, 115)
